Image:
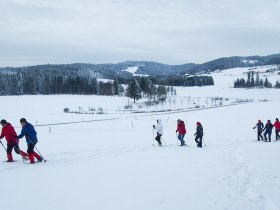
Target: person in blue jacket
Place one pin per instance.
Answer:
(31, 139)
(268, 131)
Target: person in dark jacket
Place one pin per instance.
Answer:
(181, 129)
(260, 127)
(268, 130)
(277, 129)
(199, 134)
(9, 133)
(31, 139)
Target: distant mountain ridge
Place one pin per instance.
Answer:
(110, 71)
(237, 61)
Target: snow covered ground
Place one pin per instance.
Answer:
(112, 164)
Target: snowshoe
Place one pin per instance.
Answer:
(25, 158)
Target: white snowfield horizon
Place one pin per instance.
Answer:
(112, 164)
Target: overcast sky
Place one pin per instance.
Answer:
(111, 31)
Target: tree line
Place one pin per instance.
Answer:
(37, 83)
(183, 80)
(254, 81)
(143, 87)
(34, 81)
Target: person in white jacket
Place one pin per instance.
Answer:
(159, 130)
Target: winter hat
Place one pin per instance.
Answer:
(277, 119)
(268, 121)
(23, 120)
(198, 123)
(178, 120)
(3, 121)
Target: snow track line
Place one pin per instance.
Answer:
(134, 115)
(191, 110)
(76, 122)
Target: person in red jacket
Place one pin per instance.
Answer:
(277, 128)
(9, 133)
(181, 129)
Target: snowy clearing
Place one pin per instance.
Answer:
(112, 164)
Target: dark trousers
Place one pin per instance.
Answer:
(32, 153)
(260, 135)
(277, 134)
(10, 148)
(30, 148)
(158, 139)
(198, 140)
(267, 133)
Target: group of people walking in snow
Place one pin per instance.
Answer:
(267, 130)
(180, 132)
(12, 139)
(30, 134)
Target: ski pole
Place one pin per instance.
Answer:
(3, 146)
(153, 136)
(38, 151)
(163, 141)
(177, 138)
(203, 141)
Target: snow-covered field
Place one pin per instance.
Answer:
(112, 164)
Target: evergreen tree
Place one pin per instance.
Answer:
(252, 80)
(261, 83)
(161, 93)
(236, 83)
(145, 85)
(116, 87)
(257, 80)
(277, 85)
(267, 84)
(248, 82)
(133, 90)
(152, 93)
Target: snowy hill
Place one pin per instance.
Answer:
(110, 71)
(107, 161)
(228, 76)
(236, 61)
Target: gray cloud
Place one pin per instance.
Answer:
(98, 31)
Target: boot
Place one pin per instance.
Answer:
(31, 158)
(38, 157)
(10, 157)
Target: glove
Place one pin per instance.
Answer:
(154, 126)
(176, 131)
